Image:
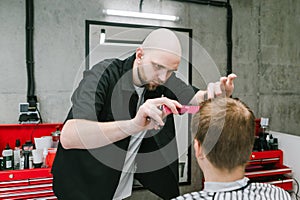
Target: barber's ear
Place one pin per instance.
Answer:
(139, 53)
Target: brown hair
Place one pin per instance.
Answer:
(225, 128)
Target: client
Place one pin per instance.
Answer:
(224, 136)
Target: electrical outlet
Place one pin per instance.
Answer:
(29, 115)
(24, 108)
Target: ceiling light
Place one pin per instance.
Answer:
(140, 15)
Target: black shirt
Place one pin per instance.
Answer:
(106, 93)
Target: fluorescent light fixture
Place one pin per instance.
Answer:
(102, 36)
(115, 42)
(140, 15)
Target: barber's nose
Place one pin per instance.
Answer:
(163, 75)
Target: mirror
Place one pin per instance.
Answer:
(115, 40)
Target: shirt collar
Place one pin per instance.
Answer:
(225, 186)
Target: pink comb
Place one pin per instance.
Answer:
(184, 109)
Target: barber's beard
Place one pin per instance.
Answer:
(148, 86)
(143, 82)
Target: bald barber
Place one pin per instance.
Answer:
(116, 131)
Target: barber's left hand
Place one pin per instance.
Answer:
(228, 83)
(223, 87)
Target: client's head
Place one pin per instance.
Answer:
(224, 133)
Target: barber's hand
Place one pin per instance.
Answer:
(227, 83)
(150, 115)
(223, 87)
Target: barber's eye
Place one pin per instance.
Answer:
(158, 66)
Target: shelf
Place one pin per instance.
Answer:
(9, 133)
(14, 175)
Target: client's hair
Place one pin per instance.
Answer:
(225, 128)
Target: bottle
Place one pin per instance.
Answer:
(45, 153)
(7, 154)
(37, 158)
(31, 161)
(26, 154)
(22, 161)
(27, 148)
(55, 137)
(263, 135)
(268, 142)
(1, 164)
(275, 144)
(17, 154)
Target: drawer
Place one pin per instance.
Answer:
(29, 195)
(27, 188)
(266, 157)
(26, 184)
(5, 184)
(35, 181)
(286, 184)
(11, 175)
(283, 181)
(262, 170)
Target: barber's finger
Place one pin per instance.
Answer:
(156, 113)
(210, 91)
(156, 126)
(223, 80)
(172, 105)
(230, 79)
(149, 112)
(154, 120)
(152, 124)
(163, 100)
(218, 88)
(156, 116)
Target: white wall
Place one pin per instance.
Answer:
(290, 145)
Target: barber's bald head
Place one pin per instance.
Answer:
(157, 58)
(164, 40)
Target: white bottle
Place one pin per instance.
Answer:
(45, 153)
(22, 160)
(17, 155)
(7, 154)
(17, 158)
(30, 161)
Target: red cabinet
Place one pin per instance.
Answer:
(27, 183)
(268, 167)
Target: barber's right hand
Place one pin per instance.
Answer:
(150, 115)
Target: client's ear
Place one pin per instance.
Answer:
(198, 149)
